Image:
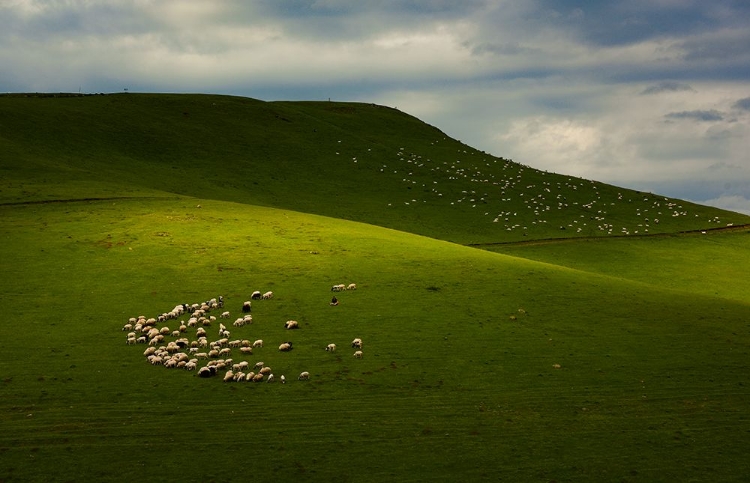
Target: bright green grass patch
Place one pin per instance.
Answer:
(456, 382)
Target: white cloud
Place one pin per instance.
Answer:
(736, 203)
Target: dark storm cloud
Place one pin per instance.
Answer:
(608, 23)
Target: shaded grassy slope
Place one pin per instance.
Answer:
(352, 161)
(652, 383)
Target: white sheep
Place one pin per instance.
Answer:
(229, 376)
(338, 288)
(267, 296)
(285, 347)
(259, 365)
(246, 350)
(357, 343)
(358, 355)
(331, 348)
(265, 370)
(291, 324)
(351, 286)
(270, 378)
(282, 379)
(258, 343)
(304, 376)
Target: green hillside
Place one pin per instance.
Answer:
(562, 355)
(359, 162)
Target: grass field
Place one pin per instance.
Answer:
(619, 358)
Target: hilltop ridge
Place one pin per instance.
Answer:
(355, 161)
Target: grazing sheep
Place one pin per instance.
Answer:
(351, 286)
(270, 378)
(225, 315)
(246, 350)
(259, 365)
(127, 327)
(229, 376)
(282, 379)
(225, 352)
(239, 377)
(246, 307)
(331, 348)
(291, 324)
(258, 343)
(249, 377)
(258, 378)
(304, 376)
(358, 355)
(357, 343)
(338, 288)
(285, 347)
(256, 295)
(267, 296)
(265, 370)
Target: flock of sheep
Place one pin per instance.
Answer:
(504, 183)
(190, 345)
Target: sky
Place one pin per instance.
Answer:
(652, 95)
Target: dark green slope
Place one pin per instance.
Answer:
(353, 161)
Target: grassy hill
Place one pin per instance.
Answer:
(359, 162)
(613, 358)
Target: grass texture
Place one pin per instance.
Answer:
(604, 357)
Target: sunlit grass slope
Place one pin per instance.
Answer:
(597, 378)
(353, 161)
(713, 263)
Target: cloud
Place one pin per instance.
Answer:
(743, 104)
(698, 115)
(666, 86)
(737, 203)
